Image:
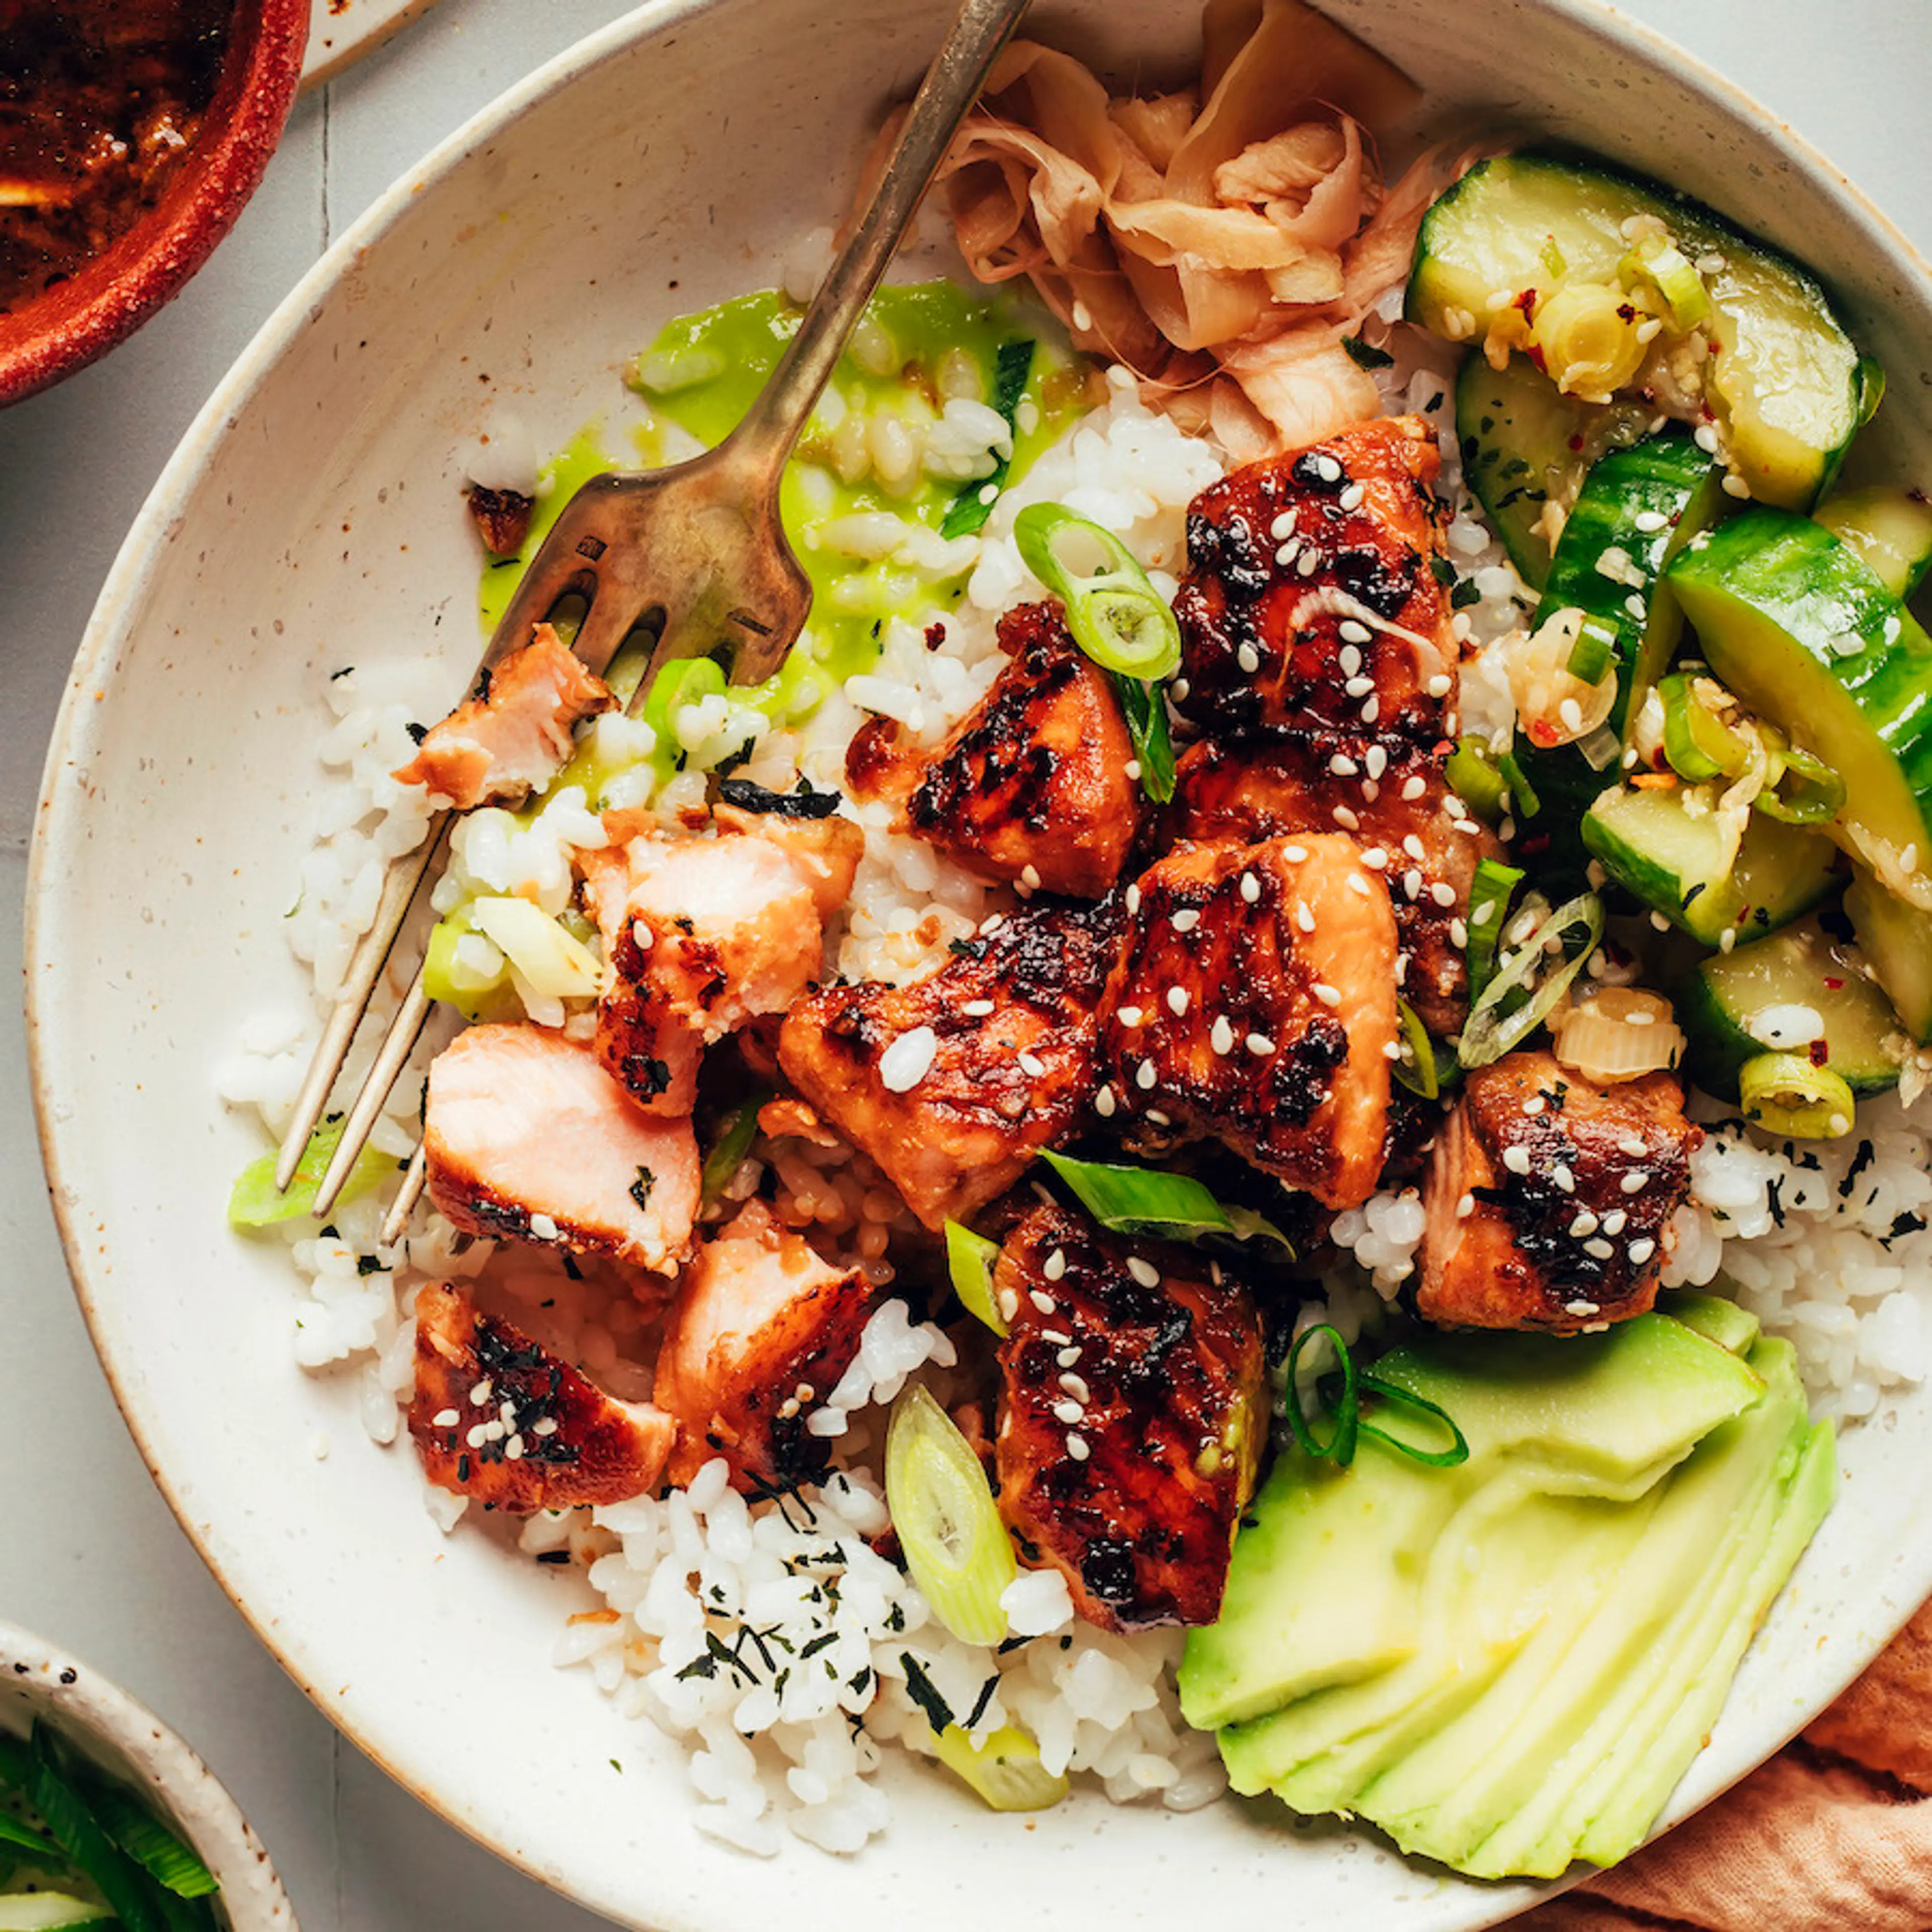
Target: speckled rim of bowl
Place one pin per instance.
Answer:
(106, 636)
(108, 298)
(124, 1738)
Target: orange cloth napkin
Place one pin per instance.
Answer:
(1835, 1834)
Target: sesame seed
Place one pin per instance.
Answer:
(1069, 1412)
(978, 1010)
(1249, 659)
(1327, 469)
(1376, 761)
(1054, 1266)
(1375, 858)
(1394, 1049)
(1657, 919)
(1359, 885)
(1565, 1176)
(1075, 1387)
(1251, 891)
(1068, 1356)
(1308, 565)
(446, 1418)
(480, 1394)
(1585, 1224)
(1351, 499)
(1465, 1207)
(513, 1450)
(1635, 1182)
(1346, 819)
(1635, 1145)
(1350, 660)
(1129, 1016)
(546, 1425)
(1438, 686)
(1029, 877)
(478, 1435)
(1009, 1304)
(1735, 485)
(1641, 1250)
(1186, 920)
(1077, 1448)
(1516, 1159)
(1103, 1103)
(1294, 854)
(1145, 1078)
(1534, 1104)
(1371, 710)
(1350, 632)
(1143, 1271)
(1133, 900)
(1177, 1000)
(1343, 766)
(1571, 713)
(1412, 789)
(1221, 1035)
(1459, 935)
(1443, 893)
(1650, 521)
(992, 924)
(1041, 1300)
(1358, 687)
(1283, 526)
(1636, 607)
(1706, 438)
(908, 1060)
(1412, 884)
(1303, 918)
(1180, 690)
(1598, 1249)
(1031, 1063)
(1259, 1043)
(1158, 1118)
(1288, 552)
(1132, 768)
(1329, 996)
(1579, 1308)
(1614, 1221)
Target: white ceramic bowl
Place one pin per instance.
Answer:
(309, 521)
(127, 1742)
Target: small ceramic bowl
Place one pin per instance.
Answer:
(127, 1742)
(112, 294)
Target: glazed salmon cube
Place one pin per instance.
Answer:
(759, 1334)
(528, 1138)
(497, 1418)
(498, 747)
(1256, 1004)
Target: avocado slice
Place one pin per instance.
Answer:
(1715, 1317)
(1560, 1406)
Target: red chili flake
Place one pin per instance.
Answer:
(1820, 1053)
(1577, 444)
(1625, 313)
(1526, 301)
(1833, 984)
(935, 636)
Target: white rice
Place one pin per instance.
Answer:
(770, 1637)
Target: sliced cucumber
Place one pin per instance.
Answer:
(1667, 847)
(1789, 387)
(1734, 999)
(1891, 529)
(1638, 508)
(1526, 445)
(1897, 939)
(1797, 626)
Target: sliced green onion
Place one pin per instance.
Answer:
(1416, 1069)
(1116, 615)
(1013, 364)
(1784, 1094)
(1490, 892)
(1345, 1411)
(1869, 376)
(1595, 651)
(74, 1827)
(150, 1844)
(1657, 261)
(1005, 1770)
(1551, 256)
(1458, 1450)
(1697, 742)
(1502, 1016)
(681, 682)
(1127, 1200)
(969, 1261)
(254, 1203)
(1474, 779)
(1523, 794)
(446, 978)
(948, 1525)
(1145, 710)
(729, 1150)
(1342, 1390)
(1816, 796)
(49, 1912)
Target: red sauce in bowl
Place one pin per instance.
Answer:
(100, 101)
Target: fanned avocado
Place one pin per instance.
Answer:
(1631, 1504)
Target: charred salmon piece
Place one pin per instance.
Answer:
(953, 1085)
(760, 1332)
(1034, 786)
(1131, 1418)
(1550, 1199)
(1311, 600)
(528, 1138)
(701, 934)
(1256, 1003)
(496, 1417)
(497, 749)
(1411, 827)
(824, 849)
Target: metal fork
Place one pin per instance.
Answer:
(699, 543)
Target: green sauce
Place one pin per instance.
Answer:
(701, 372)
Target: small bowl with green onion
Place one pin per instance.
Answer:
(108, 1820)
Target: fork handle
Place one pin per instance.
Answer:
(763, 439)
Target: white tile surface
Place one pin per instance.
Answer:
(90, 1555)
